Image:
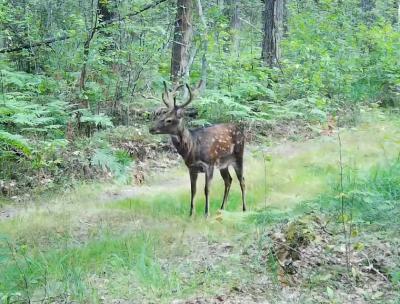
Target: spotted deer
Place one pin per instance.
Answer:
(202, 149)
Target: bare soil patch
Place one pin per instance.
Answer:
(307, 256)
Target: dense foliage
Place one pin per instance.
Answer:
(79, 81)
(56, 97)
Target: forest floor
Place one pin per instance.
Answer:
(110, 244)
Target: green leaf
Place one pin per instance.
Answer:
(330, 293)
(14, 141)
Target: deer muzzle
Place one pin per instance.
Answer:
(153, 130)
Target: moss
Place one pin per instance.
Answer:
(301, 232)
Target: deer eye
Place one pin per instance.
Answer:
(168, 120)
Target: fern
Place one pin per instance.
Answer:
(118, 163)
(18, 80)
(14, 141)
(123, 157)
(100, 120)
(104, 159)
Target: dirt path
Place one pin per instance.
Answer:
(215, 253)
(110, 195)
(291, 169)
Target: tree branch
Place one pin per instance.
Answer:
(68, 36)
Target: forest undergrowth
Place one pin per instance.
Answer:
(311, 235)
(94, 209)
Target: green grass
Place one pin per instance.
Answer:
(296, 172)
(71, 266)
(372, 218)
(136, 258)
(372, 198)
(172, 205)
(83, 248)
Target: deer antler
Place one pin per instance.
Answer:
(192, 94)
(169, 97)
(175, 92)
(166, 98)
(189, 99)
(177, 88)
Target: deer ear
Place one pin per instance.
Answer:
(180, 112)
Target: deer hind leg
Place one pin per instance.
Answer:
(239, 173)
(209, 175)
(193, 180)
(228, 181)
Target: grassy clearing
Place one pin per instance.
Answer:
(295, 172)
(372, 212)
(83, 248)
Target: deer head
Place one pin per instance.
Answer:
(169, 119)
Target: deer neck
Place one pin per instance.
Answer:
(183, 143)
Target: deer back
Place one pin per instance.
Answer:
(216, 145)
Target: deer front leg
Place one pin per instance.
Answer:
(193, 180)
(239, 173)
(228, 181)
(209, 175)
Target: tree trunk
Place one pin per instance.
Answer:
(220, 4)
(273, 25)
(182, 40)
(285, 18)
(235, 24)
(105, 12)
(86, 45)
(396, 14)
(204, 43)
(367, 6)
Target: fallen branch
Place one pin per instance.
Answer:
(68, 36)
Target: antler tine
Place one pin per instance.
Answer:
(191, 93)
(166, 98)
(190, 97)
(174, 92)
(200, 84)
(177, 88)
(165, 87)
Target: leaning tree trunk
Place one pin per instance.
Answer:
(182, 40)
(273, 24)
